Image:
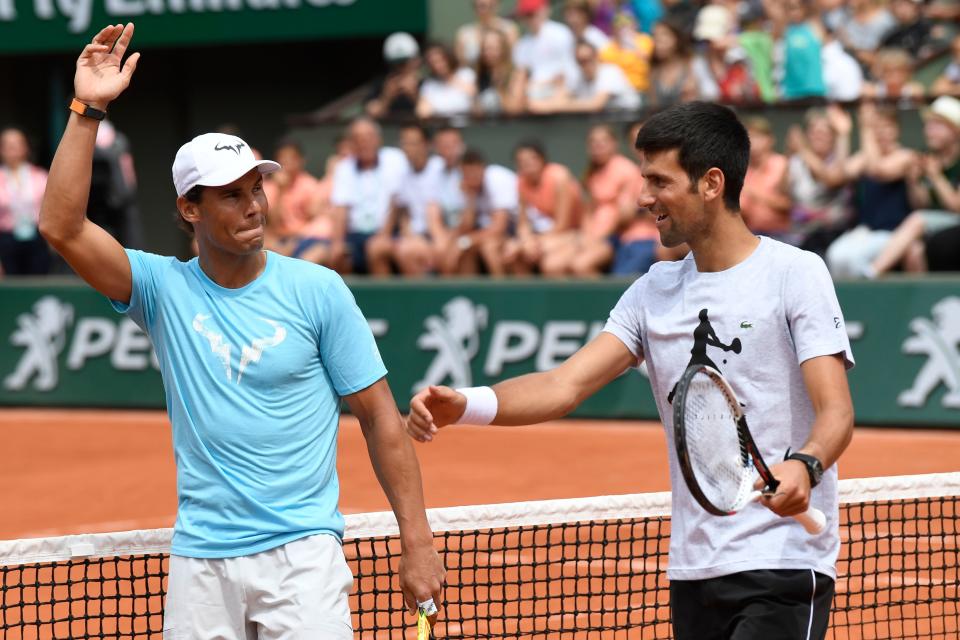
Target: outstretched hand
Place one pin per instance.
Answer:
(432, 409)
(100, 76)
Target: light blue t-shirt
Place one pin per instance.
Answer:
(253, 379)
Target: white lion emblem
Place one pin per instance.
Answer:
(456, 339)
(43, 335)
(937, 339)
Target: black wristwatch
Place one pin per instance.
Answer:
(814, 466)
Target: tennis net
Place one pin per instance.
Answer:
(581, 568)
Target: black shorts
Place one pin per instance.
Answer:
(771, 604)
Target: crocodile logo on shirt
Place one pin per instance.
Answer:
(249, 354)
(746, 324)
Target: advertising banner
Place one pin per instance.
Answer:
(63, 345)
(43, 26)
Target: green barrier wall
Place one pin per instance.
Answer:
(62, 344)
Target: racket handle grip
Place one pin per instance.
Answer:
(813, 520)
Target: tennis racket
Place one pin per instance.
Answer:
(426, 618)
(718, 457)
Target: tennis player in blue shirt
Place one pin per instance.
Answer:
(256, 351)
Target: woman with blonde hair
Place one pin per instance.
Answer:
(500, 85)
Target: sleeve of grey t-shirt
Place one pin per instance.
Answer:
(626, 319)
(813, 311)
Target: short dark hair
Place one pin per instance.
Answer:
(473, 157)
(531, 144)
(193, 195)
(422, 130)
(707, 135)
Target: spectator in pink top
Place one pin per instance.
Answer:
(550, 201)
(764, 202)
(611, 182)
(22, 250)
(292, 194)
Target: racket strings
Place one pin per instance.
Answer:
(719, 456)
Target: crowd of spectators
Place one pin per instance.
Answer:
(433, 206)
(607, 55)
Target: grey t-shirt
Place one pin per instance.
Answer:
(781, 304)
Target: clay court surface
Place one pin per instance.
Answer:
(89, 471)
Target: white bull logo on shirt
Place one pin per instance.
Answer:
(248, 353)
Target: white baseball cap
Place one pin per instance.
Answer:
(946, 108)
(213, 160)
(713, 23)
(400, 46)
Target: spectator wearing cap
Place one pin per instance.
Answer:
(948, 83)
(364, 189)
(549, 208)
(723, 71)
(447, 91)
(880, 168)
(578, 15)
(934, 189)
(671, 76)
(630, 50)
(501, 87)
(913, 31)
(22, 185)
(865, 29)
(469, 37)
(397, 94)
(545, 52)
(764, 201)
(489, 215)
(599, 87)
(893, 69)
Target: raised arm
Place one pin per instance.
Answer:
(531, 398)
(397, 469)
(93, 253)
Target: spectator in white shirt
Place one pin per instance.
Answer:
(364, 188)
(416, 214)
(599, 86)
(448, 91)
(490, 197)
(545, 52)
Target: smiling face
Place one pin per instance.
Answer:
(676, 204)
(229, 219)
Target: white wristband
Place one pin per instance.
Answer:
(481, 405)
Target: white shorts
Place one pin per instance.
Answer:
(298, 591)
